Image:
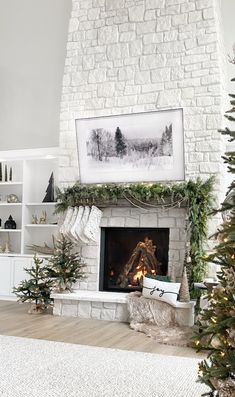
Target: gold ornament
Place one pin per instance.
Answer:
(215, 342)
(229, 275)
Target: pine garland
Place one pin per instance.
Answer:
(195, 195)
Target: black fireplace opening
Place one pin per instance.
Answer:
(127, 254)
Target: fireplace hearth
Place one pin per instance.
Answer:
(127, 254)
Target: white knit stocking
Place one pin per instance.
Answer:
(75, 229)
(80, 227)
(92, 227)
(70, 225)
(67, 219)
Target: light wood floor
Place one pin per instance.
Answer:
(15, 321)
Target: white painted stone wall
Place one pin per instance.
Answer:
(126, 56)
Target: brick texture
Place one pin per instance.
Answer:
(134, 56)
(126, 56)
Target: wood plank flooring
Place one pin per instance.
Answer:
(15, 321)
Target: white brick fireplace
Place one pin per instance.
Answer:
(129, 56)
(87, 302)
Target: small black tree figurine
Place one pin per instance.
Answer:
(49, 197)
(10, 174)
(36, 289)
(0, 172)
(65, 266)
(5, 173)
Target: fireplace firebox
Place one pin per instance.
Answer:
(127, 254)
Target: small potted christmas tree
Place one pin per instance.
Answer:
(65, 266)
(36, 289)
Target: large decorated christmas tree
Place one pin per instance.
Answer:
(217, 329)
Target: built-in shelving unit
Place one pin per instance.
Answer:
(10, 183)
(10, 204)
(41, 226)
(40, 204)
(31, 171)
(10, 230)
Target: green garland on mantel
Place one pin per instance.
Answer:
(196, 196)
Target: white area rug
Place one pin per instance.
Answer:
(37, 368)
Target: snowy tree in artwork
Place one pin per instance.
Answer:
(100, 144)
(120, 143)
(131, 147)
(104, 146)
(165, 147)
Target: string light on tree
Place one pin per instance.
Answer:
(65, 266)
(36, 289)
(217, 328)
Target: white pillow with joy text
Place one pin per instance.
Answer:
(160, 290)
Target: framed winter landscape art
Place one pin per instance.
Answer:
(138, 147)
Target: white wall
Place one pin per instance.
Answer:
(152, 55)
(33, 37)
(228, 12)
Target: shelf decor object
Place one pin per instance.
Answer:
(0, 172)
(41, 249)
(5, 173)
(7, 248)
(43, 218)
(12, 198)
(10, 174)
(10, 223)
(50, 197)
(34, 219)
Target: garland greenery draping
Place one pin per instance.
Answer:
(196, 196)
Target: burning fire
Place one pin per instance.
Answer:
(140, 273)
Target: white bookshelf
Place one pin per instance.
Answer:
(10, 183)
(5, 204)
(31, 170)
(10, 230)
(42, 226)
(40, 204)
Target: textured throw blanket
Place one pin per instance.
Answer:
(157, 320)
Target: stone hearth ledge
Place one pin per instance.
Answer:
(109, 306)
